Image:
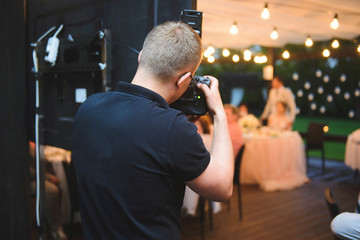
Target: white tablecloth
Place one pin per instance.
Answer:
(275, 161)
(352, 151)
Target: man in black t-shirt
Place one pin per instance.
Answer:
(133, 154)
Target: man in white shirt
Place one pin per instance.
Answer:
(277, 93)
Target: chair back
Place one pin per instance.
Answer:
(332, 206)
(238, 165)
(315, 135)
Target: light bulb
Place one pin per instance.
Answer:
(335, 22)
(326, 52)
(234, 30)
(265, 14)
(225, 52)
(308, 42)
(286, 54)
(211, 49)
(236, 58)
(274, 34)
(358, 48)
(247, 55)
(335, 43)
(211, 59)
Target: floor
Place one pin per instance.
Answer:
(299, 214)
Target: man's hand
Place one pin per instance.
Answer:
(213, 98)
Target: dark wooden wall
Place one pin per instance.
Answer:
(14, 177)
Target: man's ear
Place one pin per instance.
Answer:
(139, 56)
(183, 79)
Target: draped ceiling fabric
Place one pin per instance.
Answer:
(294, 19)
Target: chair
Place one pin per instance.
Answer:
(202, 202)
(332, 206)
(236, 181)
(315, 141)
(73, 194)
(237, 176)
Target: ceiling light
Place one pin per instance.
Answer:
(247, 55)
(308, 42)
(265, 14)
(335, 22)
(236, 58)
(234, 30)
(211, 59)
(326, 52)
(274, 34)
(335, 43)
(286, 54)
(225, 52)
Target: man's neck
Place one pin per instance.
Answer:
(148, 81)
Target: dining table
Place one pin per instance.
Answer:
(275, 160)
(352, 150)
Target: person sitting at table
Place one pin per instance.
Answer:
(52, 198)
(191, 198)
(279, 120)
(246, 119)
(234, 128)
(346, 225)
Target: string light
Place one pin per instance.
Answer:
(209, 51)
(234, 29)
(247, 55)
(335, 44)
(226, 52)
(211, 59)
(358, 48)
(274, 34)
(236, 58)
(265, 14)
(326, 52)
(335, 22)
(286, 54)
(260, 59)
(308, 42)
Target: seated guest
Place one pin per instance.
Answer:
(347, 225)
(191, 198)
(247, 120)
(279, 120)
(234, 128)
(52, 198)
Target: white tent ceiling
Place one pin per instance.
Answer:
(294, 20)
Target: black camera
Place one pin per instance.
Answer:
(193, 101)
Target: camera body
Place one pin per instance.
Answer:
(193, 101)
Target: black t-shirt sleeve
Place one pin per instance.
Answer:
(188, 157)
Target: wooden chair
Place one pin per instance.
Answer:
(73, 194)
(315, 141)
(236, 181)
(332, 206)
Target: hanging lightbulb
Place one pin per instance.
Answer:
(286, 54)
(236, 58)
(326, 52)
(234, 29)
(335, 22)
(226, 52)
(308, 42)
(274, 34)
(265, 14)
(335, 43)
(247, 55)
(211, 59)
(358, 48)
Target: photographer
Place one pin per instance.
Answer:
(133, 154)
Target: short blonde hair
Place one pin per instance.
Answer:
(170, 47)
